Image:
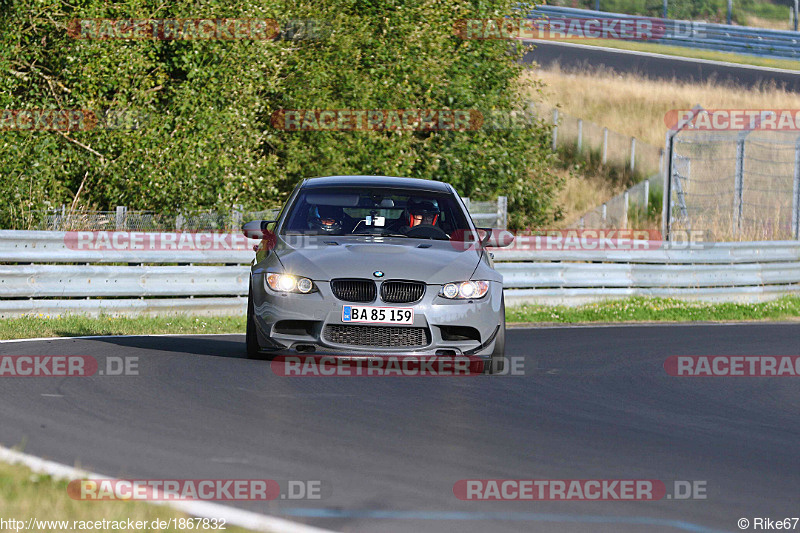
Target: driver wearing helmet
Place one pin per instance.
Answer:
(326, 218)
(422, 212)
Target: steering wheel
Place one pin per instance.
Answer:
(427, 231)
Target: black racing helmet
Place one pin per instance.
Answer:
(422, 211)
(326, 218)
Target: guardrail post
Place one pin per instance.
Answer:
(580, 135)
(604, 213)
(502, 212)
(122, 212)
(605, 145)
(796, 192)
(633, 154)
(646, 194)
(738, 185)
(555, 128)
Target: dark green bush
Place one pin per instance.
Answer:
(208, 142)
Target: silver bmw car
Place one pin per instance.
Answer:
(375, 266)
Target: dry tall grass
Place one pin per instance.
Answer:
(633, 105)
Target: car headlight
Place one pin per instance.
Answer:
(289, 283)
(464, 290)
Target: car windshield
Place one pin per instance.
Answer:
(344, 211)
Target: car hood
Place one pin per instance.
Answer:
(431, 261)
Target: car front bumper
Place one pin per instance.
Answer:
(291, 321)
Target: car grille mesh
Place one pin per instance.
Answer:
(392, 336)
(402, 291)
(354, 290)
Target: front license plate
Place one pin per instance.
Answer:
(378, 315)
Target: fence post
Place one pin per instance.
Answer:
(669, 151)
(122, 212)
(555, 128)
(580, 135)
(796, 192)
(237, 217)
(665, 201)
(625, 210)
(633, 154)
(605, 145)
(502, 211)
(738, 185)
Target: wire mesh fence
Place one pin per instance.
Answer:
(737, 185)
(640, 161)
(637, 208)
(589, 140)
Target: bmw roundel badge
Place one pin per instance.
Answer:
(378, 274)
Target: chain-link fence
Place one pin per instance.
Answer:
(584, 140)
(638, 207)
(594, 142)
(737, 185)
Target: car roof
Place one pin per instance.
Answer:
(376, 181)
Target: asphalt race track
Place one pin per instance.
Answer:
(594, 403)
(657, 66)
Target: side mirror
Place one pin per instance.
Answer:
(256, 229)
(495, 238)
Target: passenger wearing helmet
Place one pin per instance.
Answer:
(422, 212)
(326, 218)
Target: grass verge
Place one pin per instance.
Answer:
(75, 326)
(640, 309)
(637, 309)
(25, 495)
(633, 105)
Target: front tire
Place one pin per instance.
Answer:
(250, 337)
(497, 363)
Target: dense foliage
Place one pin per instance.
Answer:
(207, 141)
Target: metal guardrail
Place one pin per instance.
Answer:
(700, 35)
(60, 280)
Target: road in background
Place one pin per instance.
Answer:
(657, 66)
